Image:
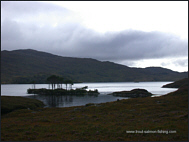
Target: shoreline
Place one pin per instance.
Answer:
(103, 122)
(101, 94)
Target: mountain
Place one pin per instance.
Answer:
(24, 66)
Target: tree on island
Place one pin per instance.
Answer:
(61, 81)
(71, 83)
(68, 81)
(33, 82)
(53, 80)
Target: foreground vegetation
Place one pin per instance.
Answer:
(12, 103)
(177, 84)
(110, 121)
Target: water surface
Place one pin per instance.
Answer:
(103, 88)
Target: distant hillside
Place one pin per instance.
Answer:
(24, 66)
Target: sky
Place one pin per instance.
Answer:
(133, 33)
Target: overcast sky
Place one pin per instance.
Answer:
(136, 34)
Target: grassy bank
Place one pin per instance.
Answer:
(12, 103)
(110, 121)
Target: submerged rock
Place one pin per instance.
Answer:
(135, 93)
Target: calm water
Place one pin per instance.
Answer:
(103, 88)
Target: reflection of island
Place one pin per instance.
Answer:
(53, 100)
(57, 97)
(60, 97)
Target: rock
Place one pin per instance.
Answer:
(89, 104)
(135, 93)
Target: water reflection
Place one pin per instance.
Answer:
(103, 88)
(56, 101)
(62, 100)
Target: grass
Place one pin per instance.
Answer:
(177, 84)
(103, 122)
(11, 103)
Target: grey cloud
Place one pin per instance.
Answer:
(181, 62)
(36, 13)
(24, 8)
(165, 63)
(75, 40)
(130, 45)
(11, 31)
(71, 39)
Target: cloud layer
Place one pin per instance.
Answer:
(51, 28)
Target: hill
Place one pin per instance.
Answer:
(24, 66)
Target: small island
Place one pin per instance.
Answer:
(59, 91)
(135, 93)
(54, 81)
